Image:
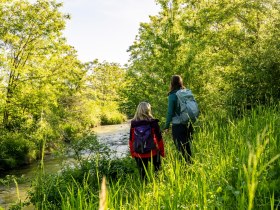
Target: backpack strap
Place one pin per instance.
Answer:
(178, 107)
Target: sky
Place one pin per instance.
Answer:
(104, 29)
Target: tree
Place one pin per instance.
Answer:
(32, 52)
(39, 71)
(154, 57)
(225, 50)
(235, 65)
(104, 81)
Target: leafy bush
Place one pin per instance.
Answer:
(15, 150)
(92, 162)
(111, 118)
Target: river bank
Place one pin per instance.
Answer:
(114, 136)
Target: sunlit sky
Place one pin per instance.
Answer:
(104, 29)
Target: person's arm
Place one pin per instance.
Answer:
(157, 130)
(132, 152)
(170, 111)
(161, 148)
(160, 142)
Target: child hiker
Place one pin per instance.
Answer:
(145, 140)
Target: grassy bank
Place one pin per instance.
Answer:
(236, 165)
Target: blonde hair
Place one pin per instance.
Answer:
(143, 112)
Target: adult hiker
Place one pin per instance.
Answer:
(181, 117)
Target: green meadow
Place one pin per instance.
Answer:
(235, 165)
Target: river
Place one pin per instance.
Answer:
(115, 136)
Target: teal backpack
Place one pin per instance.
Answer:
(189, 110)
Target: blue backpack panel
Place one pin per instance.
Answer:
(189, 110)
(143, 139)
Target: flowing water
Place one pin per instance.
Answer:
(115, 136)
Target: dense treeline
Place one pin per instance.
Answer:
(47, 94)
(227, 52)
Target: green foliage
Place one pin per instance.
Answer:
(38, 72)
(15, 150)
(225, 151)
(226, 52)
(47, 94)
(110, 115)
(112, 118)
(81, 177)
(32, 60)
(236, 165)
(104, 83)
(154, 58)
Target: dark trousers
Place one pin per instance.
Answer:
(182, 137)
(142, 164)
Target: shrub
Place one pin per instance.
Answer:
(111, 118)
(92, 162)
(15, 150)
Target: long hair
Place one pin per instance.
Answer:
(143, 112)
(176, 83)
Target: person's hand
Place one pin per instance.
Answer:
(165, 130)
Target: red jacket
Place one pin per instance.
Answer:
(157, 138)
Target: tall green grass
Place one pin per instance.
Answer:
(235, 166)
